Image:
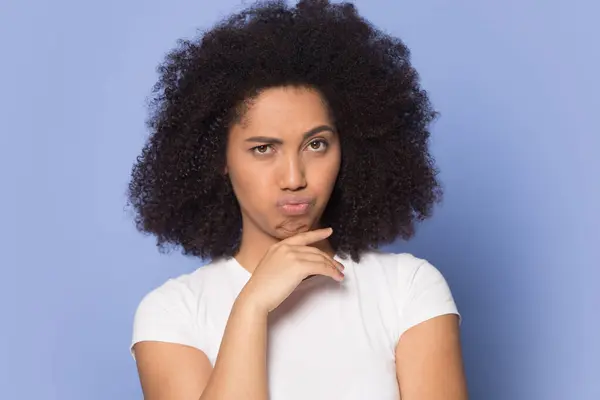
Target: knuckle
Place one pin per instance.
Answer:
(284, 247)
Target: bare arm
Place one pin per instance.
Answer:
(429, 362)
(178, 372)
(171, 371)
(241, 367)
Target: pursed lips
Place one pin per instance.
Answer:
(295, 205)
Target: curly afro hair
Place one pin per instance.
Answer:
(387, 180)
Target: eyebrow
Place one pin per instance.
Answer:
(305, 136)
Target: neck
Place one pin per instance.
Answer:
(255, 243)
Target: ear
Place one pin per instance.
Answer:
(225, 170)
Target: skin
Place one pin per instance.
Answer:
(270, 156)
(285, 145)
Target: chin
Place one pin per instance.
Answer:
(290, 228)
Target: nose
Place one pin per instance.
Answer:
(292, 173)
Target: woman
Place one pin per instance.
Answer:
(287, 144)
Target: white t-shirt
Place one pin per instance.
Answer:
(328, 340)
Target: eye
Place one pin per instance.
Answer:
(318, 145)
(262, 149)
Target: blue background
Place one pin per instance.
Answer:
(517, 141)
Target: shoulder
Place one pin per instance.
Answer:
(406, 289)
(402, 267)
(422, 292)
(179, 291)
(190, 286)
(389, 259)
(170, 312)
(407, 275)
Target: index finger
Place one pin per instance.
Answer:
(306, 238)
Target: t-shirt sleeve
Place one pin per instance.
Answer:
(167, 314)
(428, 296)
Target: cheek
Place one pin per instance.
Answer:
(324, 173)
(249, 184)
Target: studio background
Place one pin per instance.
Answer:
(516, 83)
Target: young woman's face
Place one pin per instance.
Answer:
(283, 160)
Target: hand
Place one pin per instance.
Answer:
(285, 265)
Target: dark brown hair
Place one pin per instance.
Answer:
(387, 179)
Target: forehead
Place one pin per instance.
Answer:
(283, 111)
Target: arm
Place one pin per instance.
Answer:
(178, 372)
(241, 367)
(429, 363)
(171, 371)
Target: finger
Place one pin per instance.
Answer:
(306, 238)
(324, 268)
(316, 257)
(314, 250)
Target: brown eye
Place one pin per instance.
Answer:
(262, 149)
(318, 145)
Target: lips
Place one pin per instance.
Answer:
(295, 205)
